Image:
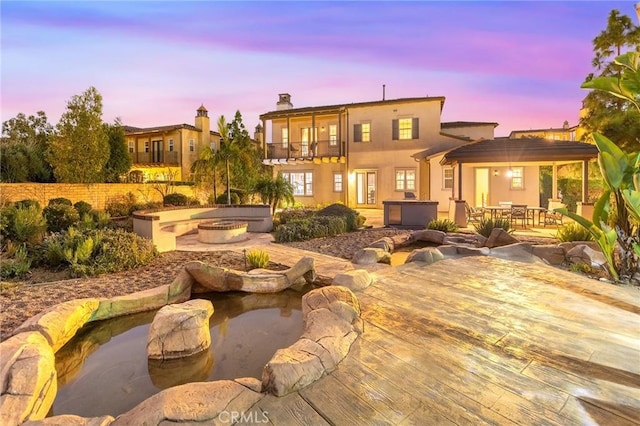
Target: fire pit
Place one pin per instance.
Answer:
(222, 232)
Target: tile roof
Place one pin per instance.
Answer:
(339, 107)
(456, 124)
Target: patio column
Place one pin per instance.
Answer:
(459, 181)
(585, 180)
(288, 138)
(554, 181)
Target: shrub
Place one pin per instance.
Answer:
(60, 217)
(444, 225)
(193, 201)
(93, 252)
(60, 200)
(485, 226)
(82, 207)
(101, 218)
(175, 199)
(28, 226)
(335, 225)
(222, 198)
(293, 214)
(121, 206)
(27, 203)
(7, 218)
(16, 266)
(258, 258)
(573, 232)
(353, 219)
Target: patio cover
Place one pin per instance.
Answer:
(505, 150)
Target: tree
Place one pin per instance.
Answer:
(205, 168)
(22, 149)
(274, 191)
(607, 114)
(80, 149)
(119, 161)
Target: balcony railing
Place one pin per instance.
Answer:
(159, 157)
(320, 149)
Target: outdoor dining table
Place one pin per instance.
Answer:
(496, 211)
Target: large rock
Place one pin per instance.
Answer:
(369, 256)
(209, 278)
(519, 252)
(180, 330)
(355, 280)
(332, 323)
(427, 255)
(61, 322)
(500, 237)
(194, 403)
(384, 243)
(429, 236)
(550, 253)
(582, 253)
(28, 382)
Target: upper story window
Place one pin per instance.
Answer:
(132, 146)
(285, 137)
(212, 145)
(447, 178)
(362, 132)
(192, 145)
(517, 178)
(405, 179)
(171, 148)
(146, 146)
(404, 128)
(333, 134)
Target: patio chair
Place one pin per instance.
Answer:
(473, 214)
(519, 213)
(552, 217)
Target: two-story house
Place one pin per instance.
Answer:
(361, 154)
(564, 133)
(167, 152)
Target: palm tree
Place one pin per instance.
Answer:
(227, 150)
(206, 167)
(275, 191)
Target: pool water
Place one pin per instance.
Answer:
(104, 369)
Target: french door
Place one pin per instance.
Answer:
(366, 188)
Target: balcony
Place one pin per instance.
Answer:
(155, 158)
(278, 150)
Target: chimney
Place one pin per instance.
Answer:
(284, 102)
(257, 134)
(384, 86)
(565, 125)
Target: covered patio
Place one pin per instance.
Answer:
(500, 172)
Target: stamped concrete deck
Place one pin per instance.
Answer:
(478, 340)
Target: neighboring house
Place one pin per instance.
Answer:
(167, 152)
(564, 133)
(361, 154)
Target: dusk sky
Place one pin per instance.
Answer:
(516, 63)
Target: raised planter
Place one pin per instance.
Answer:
(222, 232)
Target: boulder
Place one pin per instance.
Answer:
(500, 237)
(519, 252)
(28, 382)
(193, 403)
(582, 253)
(369, 256)
(550, 253)
(180, 330)
(332, 323)
(429, 236)
(427, 255)
(384, 243)
(355, 280)
(61, 322)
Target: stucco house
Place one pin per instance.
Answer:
(363, 153)
(166, 152)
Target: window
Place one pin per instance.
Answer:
(447, 178)
(285, 137)
(405, 179)
(212, 145)
(404, 128)
(337, 182)
(146, 146)
(362, 132)
(192, 145)
(302, 182)
(132, 146)
(517, 178)
(333, 134)
(170, 145)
